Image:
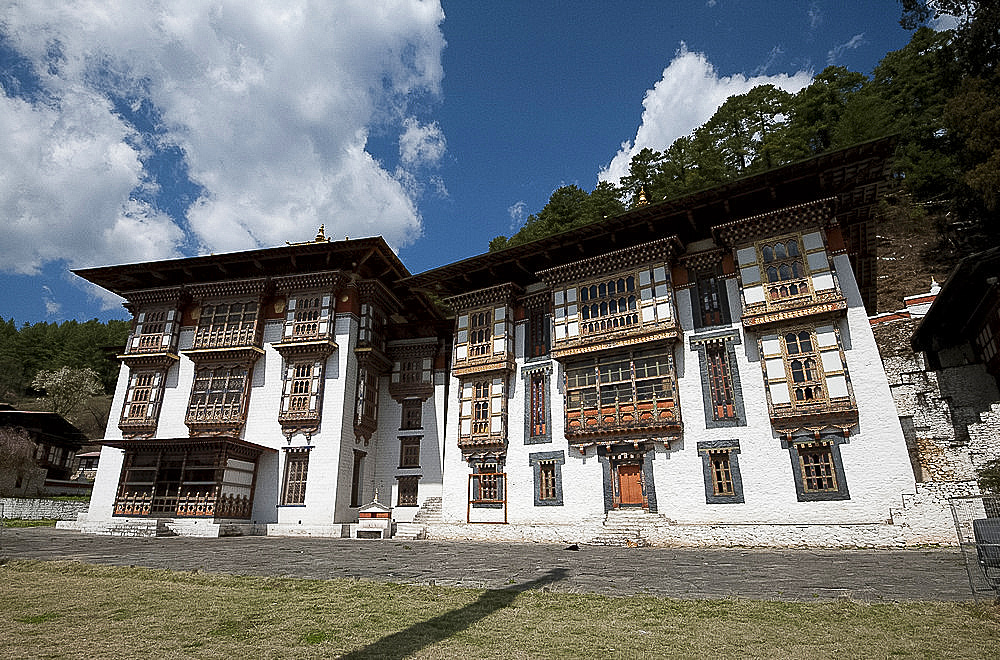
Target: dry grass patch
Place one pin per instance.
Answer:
(71, 610)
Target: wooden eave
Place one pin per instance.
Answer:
(854, 176)
(969, 292)
(366, 258)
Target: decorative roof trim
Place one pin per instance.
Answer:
(659, 250)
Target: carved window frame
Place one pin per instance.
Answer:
(546, 468)
(144, 393)
(219, 387)
(814, 480)
(293, 490)
(409, 451)
(784, 368)
(407, 490)
(537, 404)
(303, 382)
(721, 471)
(154, 331)
(710, 298)
(227, 323)
(411, 414)
(724, 345)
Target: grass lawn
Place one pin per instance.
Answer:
(17, 522)
(72, 610)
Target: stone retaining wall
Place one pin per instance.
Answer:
(40, 509)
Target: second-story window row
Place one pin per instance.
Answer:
(306, 317)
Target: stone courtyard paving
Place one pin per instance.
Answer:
(787, 574)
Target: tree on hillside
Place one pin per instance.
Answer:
(67, 389)
(567, 208)
(17, 461)
(817, 111)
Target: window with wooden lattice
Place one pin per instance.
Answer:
(217, 394)
(805, 379)
(720, 381)
(296, 471)
(480, 333)
(720, 464)
(142, 400)
(411, 414)
(406, 491)
(409, 452)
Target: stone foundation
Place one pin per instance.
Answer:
(40, 509)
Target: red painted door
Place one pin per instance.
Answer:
(630, 485)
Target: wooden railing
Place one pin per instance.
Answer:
(620, 417)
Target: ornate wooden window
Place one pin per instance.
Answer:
(302, 389)
(987, 342)
(217, 394)
(818, 473)
(536, 414)
(406, 489)
(720, 463)
(608, 305)
(411, 414)
(296, 470)
(711, 302)
(153, 333)
(805, 380)
(480, 333)
(720, 381)
(620, 391)
(784, 272)
(538, 332)
(490, 482)
(371, 331)
(409, 452)
(722, 476)
(481, 407)
(367, 403)
(411, 371)
(227, 324)
(305, 317)
(142, 400)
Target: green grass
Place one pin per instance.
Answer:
(71, 610)
(17, 522)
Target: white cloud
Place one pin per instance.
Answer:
(421, 145)
(270, 105)
(51, 306)
(838, 51)
(518, 214)
(815, 16)
(687, 95)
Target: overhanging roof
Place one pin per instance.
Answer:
(852, 175)
(970, 287)
(370, 258)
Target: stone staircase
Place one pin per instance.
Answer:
(624, 528)
(428, 514)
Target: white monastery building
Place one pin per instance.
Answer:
(694, 371)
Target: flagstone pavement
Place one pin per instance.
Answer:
(786, 574)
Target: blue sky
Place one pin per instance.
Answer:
(140, 130)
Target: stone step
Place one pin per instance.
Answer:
(409, 532)
(429, 511)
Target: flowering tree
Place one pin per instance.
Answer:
(67, 389)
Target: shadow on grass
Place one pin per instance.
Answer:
(425, 633)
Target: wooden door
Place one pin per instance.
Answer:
(630, 485)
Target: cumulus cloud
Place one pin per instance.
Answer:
(687, 95)
(268, 108)
(838, 51)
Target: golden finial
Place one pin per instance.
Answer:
(642, 197)
(321, 235)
